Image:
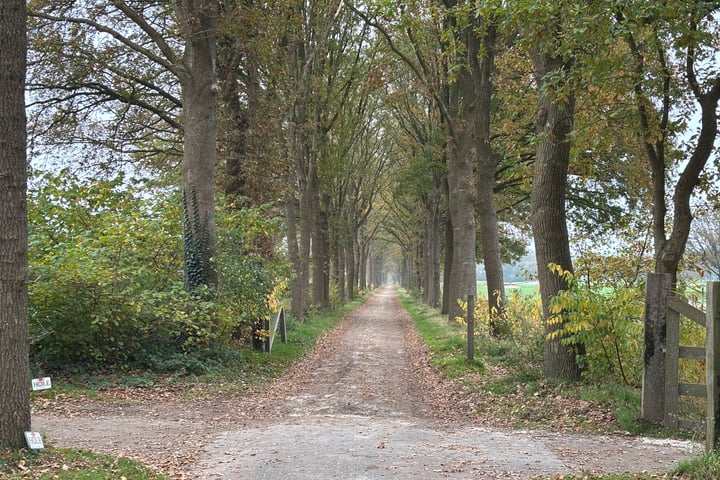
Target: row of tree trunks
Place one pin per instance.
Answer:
(487, 163)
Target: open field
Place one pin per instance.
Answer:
(529, 288)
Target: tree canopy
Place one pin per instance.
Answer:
(413, 139)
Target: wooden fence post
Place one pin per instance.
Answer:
(672, 367)
(653, 388)
(283, 326)
(712, 365)
(471, 328)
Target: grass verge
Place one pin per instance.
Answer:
(446, 341)
(510, 377)
(706, 467)
(223, 372)
(67, 464)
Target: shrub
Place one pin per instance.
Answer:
(608, 321)
(106, 288)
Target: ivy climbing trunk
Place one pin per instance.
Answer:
(14, 336)
(198, 79)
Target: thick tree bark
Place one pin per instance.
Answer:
(447, 263)
(488, 160)
(461, 184)
(431, 253)
(461, 208)
(320, 256)
(14, 335)
(198, 79)
(549, 224)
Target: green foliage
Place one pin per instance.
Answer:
(518, 327)
(521, 325)
(608, 321)
(106, 289)
(100, 258)
(250, 285)
(76, 465)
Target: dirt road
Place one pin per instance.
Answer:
(360, 407)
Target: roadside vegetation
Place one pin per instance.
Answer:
(67, 464)
(507, 373)
(231, 371)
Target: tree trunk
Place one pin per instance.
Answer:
(492, 260)
(447, 265)
(350, 266)
(14, 335)
(431, 251)
(424, 261)
(303, 272)
(198, 79)
(339, 267)
(669, 251)
(461, 201)
(431, 257)
(549, 225)
(487, 163)
(362, 264)
(297, 291)
(321, 260)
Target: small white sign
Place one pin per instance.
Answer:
(34, 440)
(42, 383)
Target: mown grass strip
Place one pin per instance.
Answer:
(447, 342)
(69, 464)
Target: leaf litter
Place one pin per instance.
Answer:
(167, 427)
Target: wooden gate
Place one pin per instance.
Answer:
(662, 388)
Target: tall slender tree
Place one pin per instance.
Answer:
(14, 336)
(663, 39)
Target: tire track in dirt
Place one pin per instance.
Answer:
(369, 407)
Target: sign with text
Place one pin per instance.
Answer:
(42, 383)
(34, 440)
